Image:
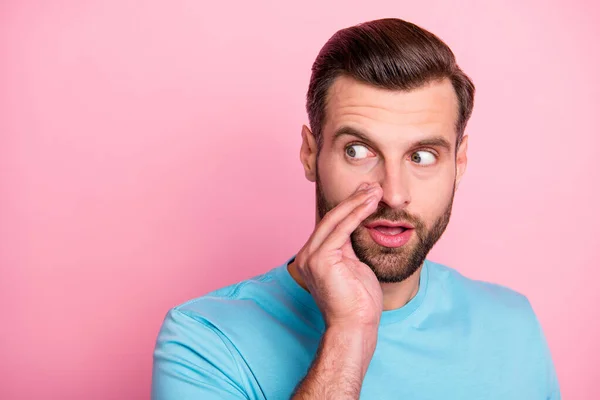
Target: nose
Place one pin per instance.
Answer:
(395, 185)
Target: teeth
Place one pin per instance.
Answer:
(390, 230)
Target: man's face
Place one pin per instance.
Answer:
(408, 147)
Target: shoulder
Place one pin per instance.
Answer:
(233, 301)
(501, 319)
(203, 315)
(496, 316)
(194, 349)
(492, 299)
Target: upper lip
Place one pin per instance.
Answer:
(390, 224)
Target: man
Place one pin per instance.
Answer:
(359, 311)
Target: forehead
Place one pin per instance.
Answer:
(432, 108)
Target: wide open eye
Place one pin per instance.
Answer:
(423, 157)
(357, 151)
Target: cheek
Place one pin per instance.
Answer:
(339, 180)
(337, 188)
(430, 198)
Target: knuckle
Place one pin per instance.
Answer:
(327, 218)
(301, 259)
(356, 213)
(312, 260)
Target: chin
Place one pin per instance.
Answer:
(390, 265)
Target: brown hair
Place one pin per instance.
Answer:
(390, 54)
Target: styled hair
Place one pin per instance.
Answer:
(390, 54)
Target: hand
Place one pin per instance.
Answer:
(345, 289)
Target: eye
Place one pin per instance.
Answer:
(423, 157)
(357, 151)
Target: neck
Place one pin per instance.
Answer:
(395, 295)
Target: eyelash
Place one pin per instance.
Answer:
(420, 149)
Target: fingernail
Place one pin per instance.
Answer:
(362, 186)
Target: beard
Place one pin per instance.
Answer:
(391, 264)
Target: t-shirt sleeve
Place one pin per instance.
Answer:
(553, 387)
(550, 379)
(192, 361)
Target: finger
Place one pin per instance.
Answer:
(344, 229)
(348, 251)
(335, 216)
(332, 218)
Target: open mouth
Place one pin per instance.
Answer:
(390, 230)
(390, 234)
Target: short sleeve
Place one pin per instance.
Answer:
(553, 387)
(550, 379)
(192, 361)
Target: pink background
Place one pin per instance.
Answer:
(149, 154)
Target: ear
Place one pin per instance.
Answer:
(461, 160)
(308, 154)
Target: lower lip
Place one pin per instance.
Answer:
(390, 240)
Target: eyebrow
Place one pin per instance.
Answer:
(437, 141)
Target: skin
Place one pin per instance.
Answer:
(409, 159)
(394, 121)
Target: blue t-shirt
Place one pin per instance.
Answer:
(456, 339)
